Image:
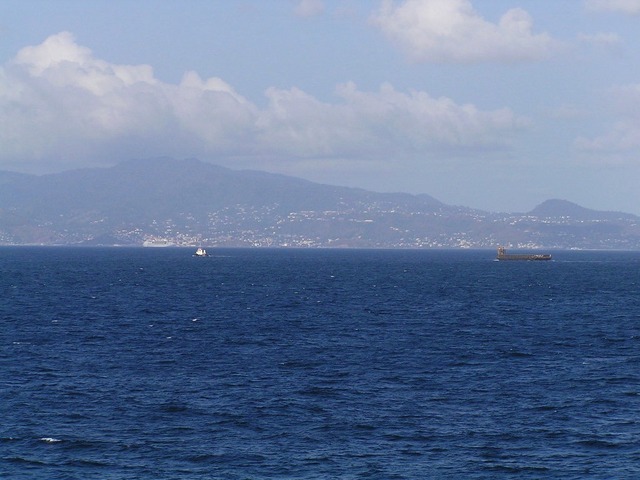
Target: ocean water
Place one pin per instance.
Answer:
(317, 364)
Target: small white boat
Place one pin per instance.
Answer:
(201, 252)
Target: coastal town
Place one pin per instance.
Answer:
(379, 226)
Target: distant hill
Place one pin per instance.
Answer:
(562, 208)
(163, 186)
(189, 202)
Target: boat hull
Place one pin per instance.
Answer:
(540, 257)
(503, 255)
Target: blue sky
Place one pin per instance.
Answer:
(494, 104)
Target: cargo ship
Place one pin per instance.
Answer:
(503, 255)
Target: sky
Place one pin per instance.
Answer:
(493, 104)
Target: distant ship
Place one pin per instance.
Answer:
(201, 252)
(503, 255)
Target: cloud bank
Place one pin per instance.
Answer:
(451, 31)
(60, 107)
(621, 141)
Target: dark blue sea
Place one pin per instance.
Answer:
(317, 364)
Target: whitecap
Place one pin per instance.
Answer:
(49, 440)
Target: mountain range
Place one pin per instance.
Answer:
(164, 201)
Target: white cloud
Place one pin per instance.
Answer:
(60, 107)
(631, 7)
(621, 142)
(379, 123)
(60, 104)
(309, 8)
(452, 31)
(606, 40)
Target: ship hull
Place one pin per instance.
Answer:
(540, 257)
(503, 255)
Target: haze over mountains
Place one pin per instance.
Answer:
(163, 201)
